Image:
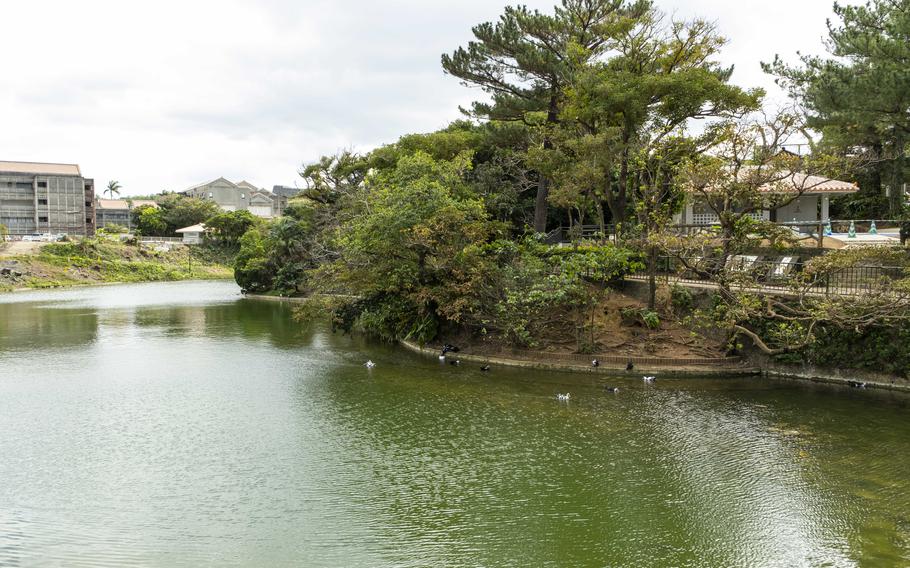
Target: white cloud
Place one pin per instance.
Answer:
(163, 95)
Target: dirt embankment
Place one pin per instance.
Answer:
(17, 248)
(620, 328)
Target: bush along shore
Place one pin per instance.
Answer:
(100, 261)
(698, 364)
(515, 228)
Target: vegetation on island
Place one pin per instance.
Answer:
(599, 120)
(589, 121)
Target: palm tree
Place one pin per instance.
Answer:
(112, 188)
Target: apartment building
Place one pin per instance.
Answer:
(38, 198)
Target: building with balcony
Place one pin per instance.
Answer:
(39, 198)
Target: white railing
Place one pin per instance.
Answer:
(160, 239)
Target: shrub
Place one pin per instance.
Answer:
(643, 316)
(681, 299)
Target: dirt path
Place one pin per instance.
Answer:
(16, 248)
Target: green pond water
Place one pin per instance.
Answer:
(180, 425)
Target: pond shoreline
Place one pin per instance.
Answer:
(614, 369)
(102, 284)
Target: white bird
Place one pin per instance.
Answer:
(369, 364)
(442, 357)
(565, 397)
(648, 379)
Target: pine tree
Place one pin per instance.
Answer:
(859, 96)
(525, 61)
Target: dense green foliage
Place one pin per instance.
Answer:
(174, 212)
(588, 118)
(881, 349)
(275, 256)
(230, 226)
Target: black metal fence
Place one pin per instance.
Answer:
(809, 229)
(784, 274)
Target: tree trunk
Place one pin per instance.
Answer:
(652, 277)
(540, 205)
(896, 200)
(543, 186)
(875, 178)
(619, 211)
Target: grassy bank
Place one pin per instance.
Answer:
(98, 261)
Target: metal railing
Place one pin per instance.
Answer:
(809, 229)
(780, 275)
(160, 239)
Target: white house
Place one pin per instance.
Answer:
(192, 235)
(811, 204)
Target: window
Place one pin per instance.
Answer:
(42, 219)
(42, 184)
(42, 202)
(87, 220)
(23, 185)
(88, 203)
(211, 195)
(88, 187)
(242, 196)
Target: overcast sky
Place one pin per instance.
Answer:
(167, 94)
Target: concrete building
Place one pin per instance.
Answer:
(118, 211)
(38, 198)
(231, 196)
(112, 212)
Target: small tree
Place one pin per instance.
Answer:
(179, 211)
(232, 225)
(4, 232)
(149, 221)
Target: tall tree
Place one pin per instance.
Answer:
(859, 96)
(113, 188)
(661, 75)
(525, 60)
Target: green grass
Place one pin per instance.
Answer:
(101, 261)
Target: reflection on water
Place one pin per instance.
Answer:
(44, 322)
(179, 425)
(21, 323)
